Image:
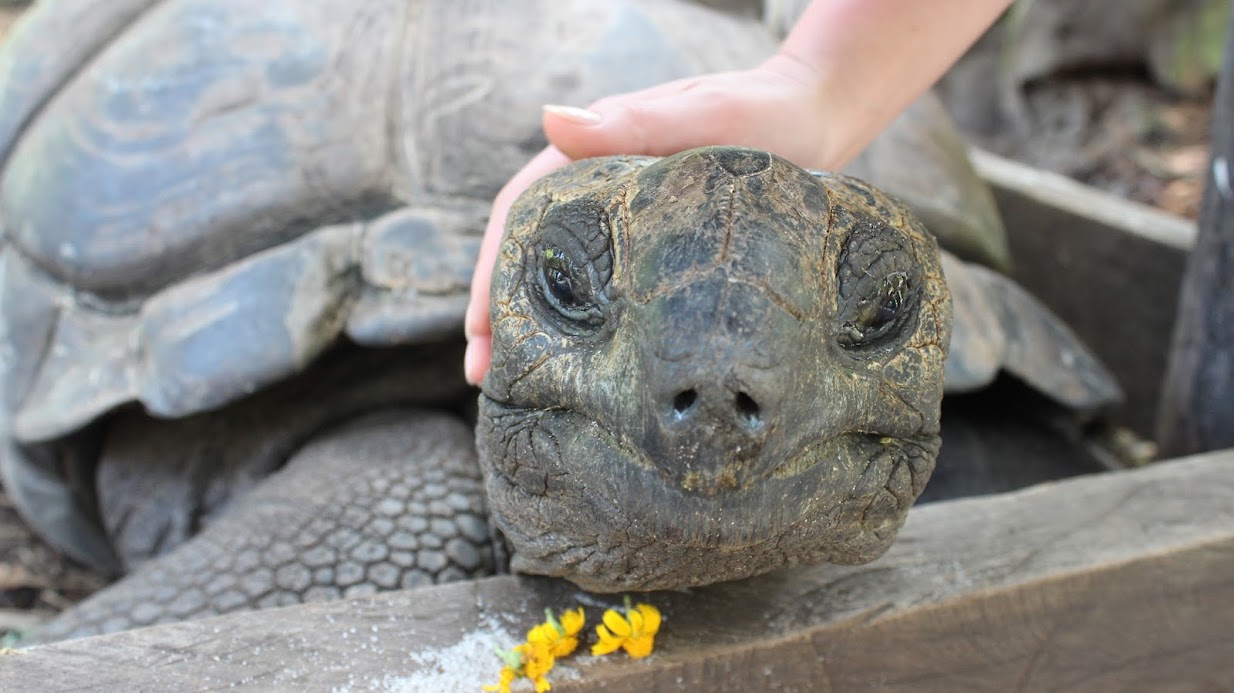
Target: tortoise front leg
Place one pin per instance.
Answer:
(391, 500)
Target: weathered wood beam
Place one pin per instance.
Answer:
(1197, 400)
(1117, 581)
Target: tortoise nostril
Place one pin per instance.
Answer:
(748, 409)
(683, 402)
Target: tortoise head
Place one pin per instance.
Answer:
(707, 367)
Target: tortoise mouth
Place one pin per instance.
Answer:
(715, 475)
(576, 502)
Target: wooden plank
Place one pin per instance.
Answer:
(1108, 267)
(1196, 412)
(1118, 581)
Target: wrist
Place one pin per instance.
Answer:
(867, 60)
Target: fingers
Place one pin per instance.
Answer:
(476, 323)
(659, 121)
(775, 106)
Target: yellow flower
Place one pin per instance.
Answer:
(535, 658)
(572, 621)
(560, 637)
(503, 686)
(531, 660)
(537, 662)
(635, 632)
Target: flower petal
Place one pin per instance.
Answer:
(608, 642)
(605, 647)
(636, 621)
(617, 623)
(545, 633)
(538, 660)
(573, 620)
(651, 618)
(638, 648)
(507, 677)
(564, 646)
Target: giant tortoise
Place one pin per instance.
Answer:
(237, 244)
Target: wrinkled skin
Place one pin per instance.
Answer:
(707, 367)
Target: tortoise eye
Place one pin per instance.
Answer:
(560, 286)
(569, 267)
(878, 286)
(877, 316)
(568, 289)
(887, 311)
(563, 289)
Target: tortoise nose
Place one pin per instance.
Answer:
(737, 411)
(712, 435)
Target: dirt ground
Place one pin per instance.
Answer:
(1115, 131)
(36, 582)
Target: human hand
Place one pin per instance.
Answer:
(776, 106)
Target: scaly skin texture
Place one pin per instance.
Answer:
(389, 501)
(707, 367)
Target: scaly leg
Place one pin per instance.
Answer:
(391, 500)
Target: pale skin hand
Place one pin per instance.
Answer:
(846, 70)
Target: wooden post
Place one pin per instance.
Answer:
(1197, 401)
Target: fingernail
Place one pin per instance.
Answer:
(581, 116)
